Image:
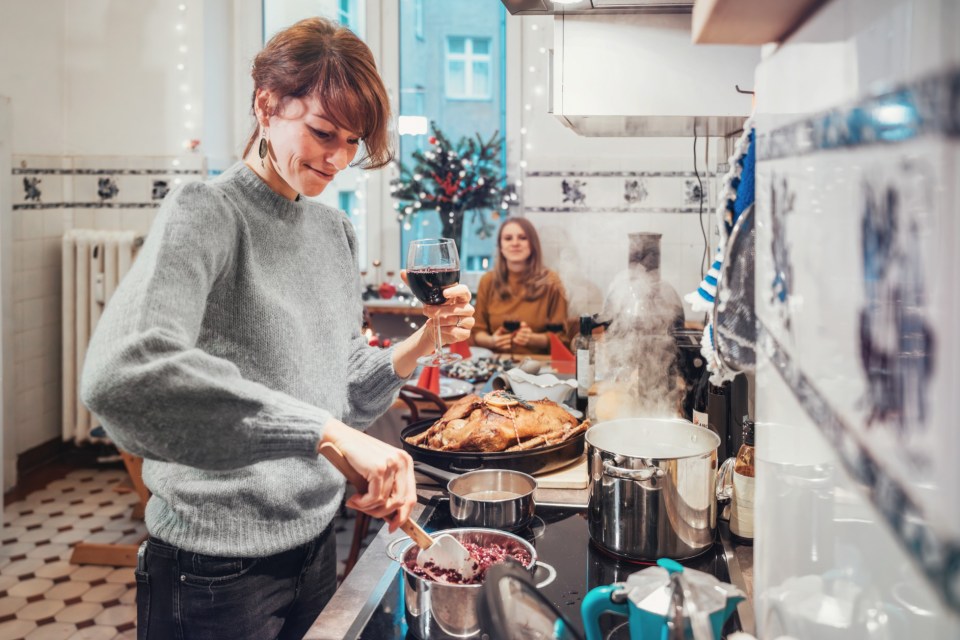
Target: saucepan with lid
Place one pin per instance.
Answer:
(489, 498)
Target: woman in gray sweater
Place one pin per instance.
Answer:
(232, 350)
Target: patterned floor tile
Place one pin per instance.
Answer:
(79, 613)
(30, 588)
(9, 606)
(43, 596)
(94, 633)
(41, 610)
(53, 631)
(16, 629)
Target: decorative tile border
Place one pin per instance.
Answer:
(938, 559)
(86, 205)
(91, 187)
(625, 209)
(618, 174)
(930, 105)
(617, 191)
(100, 172)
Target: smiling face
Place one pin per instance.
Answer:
(514, 244)
(306, 148)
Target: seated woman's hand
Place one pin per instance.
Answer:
(392, 488)
(502, 340)
(522, 336)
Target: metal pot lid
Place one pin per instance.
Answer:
(510, 607)
(652, 438)
(652, 589)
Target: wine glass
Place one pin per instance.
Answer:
(432, 266)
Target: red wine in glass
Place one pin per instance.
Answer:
(432, 266)
(428, 283)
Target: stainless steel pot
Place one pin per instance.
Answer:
(439, 611)
(653, 488)
(489, 498)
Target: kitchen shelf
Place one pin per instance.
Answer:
(749, 21)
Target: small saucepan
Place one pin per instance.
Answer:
(490, 498)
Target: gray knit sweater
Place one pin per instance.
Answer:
(232, 341)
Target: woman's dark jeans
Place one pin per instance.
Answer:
(189, 596)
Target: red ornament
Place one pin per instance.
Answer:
(387, 290)
(432, 140)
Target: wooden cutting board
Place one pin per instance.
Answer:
(573, 476)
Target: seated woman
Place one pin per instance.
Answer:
(520, 300)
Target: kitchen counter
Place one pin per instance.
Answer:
(375, 571)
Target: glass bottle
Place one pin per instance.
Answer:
(741, 505)
(584, 348)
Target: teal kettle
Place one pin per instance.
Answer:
(665, 602)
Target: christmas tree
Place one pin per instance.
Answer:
(454, 180)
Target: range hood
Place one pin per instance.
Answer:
(581, 7)
(640, 75)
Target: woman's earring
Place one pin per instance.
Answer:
(262, 151)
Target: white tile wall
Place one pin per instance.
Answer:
(587, 244)
(823, 542)
(68, 200)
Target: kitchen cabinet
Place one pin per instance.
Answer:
(748, 21)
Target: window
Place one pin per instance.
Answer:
(418, 18)
(475, 106)
(348, 11)
(468, 68)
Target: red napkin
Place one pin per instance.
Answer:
(461, 348)
(560, 357)
(430, 380)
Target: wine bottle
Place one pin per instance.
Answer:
(741, 505)
(585, 350)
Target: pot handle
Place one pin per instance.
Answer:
(639, 475)
(391, 549)
(724, 486)
(551, 574)
(433, 472)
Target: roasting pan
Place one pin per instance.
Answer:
(532, 461)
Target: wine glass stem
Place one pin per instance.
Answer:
(439, 340)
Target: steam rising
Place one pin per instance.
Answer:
(637, 369)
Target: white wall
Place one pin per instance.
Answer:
(94, 86)
(7, 458)
(588, 246)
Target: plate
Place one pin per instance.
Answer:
(453, 388)
(480, 352)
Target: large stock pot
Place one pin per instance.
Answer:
(653, 490)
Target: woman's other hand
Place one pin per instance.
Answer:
(391, 486)
(522, 337)
(502, 340)
(455, 316)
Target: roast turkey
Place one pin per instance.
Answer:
(499, 422)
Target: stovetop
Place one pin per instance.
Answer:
(562, 540)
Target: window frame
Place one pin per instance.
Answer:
(468, 58)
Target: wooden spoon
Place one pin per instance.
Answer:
(443, 552)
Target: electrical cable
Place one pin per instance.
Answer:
(706, 243)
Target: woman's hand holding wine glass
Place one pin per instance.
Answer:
(433, 273)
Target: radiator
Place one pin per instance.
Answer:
(93, 264)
